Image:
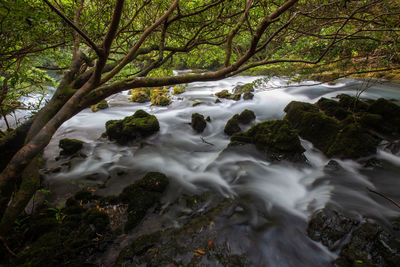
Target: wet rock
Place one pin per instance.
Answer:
(246, 116)
(352, 103)
(70, 146)
(208, 119)
(312, 124)
(359, 244)
(217, 101)
(140, 124)
(276, 138)
(232, 126)
(329, 226)
(246, 88)
(197, 103)
(142, 195)
(198, 122)
(370, 245)
(101, 105)
(236, 97)
(333, 166)
(140, 95)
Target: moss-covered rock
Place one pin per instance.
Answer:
(159, 97)
(351, 103)
(70, 146)
(276, 138)
(390, 113)
(248, 96)
(197, 103)
(223, 94)
(312, 124)
(232, 126)
(140, 95)
(332, 108)
(236, 97)
(101, 105)
(142, 195)
(246, 116)
(140, 124)
(198, 122)
(217, 100)
(353, 142)
(178, 90)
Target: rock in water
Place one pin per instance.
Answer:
(232, 126)
(140, 124)
(70, 146)
(246, 116)
(101, 105)
(198, 122)
(276, 138)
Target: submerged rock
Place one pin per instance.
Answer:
(198, 122)
(232, 126)
(142, 195)
(101, 105)
(140, 124)
(363, 243)
(276, 138)
(223, 94)
(70, 146)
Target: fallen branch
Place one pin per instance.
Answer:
(204, 141)
(384, 196)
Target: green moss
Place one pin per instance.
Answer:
(312, 124)
(101, 105)
(246, 116)
(352, 103)
(236, 97)
(159, 97)
(178, 90)
(248, 96)
(197, 103)
(70, 146)
(223, 94)
(276, 138)
(140, 95)
(198, 122)
(140, 124)
(352, 142)
(98, 219)
(84, 195)
(232, 126)
(142, 195)
(217, 100)
(332, 108)
(390, 112)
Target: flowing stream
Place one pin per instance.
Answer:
(280, 197)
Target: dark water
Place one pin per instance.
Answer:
(278, 198)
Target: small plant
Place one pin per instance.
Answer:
(60, 216)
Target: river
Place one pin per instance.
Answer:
(279, 197)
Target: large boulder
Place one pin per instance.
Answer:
(140, 124)
(312, 124)
(246, 116)
(276, 138)
(198, 122)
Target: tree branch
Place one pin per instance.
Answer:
(81, 33)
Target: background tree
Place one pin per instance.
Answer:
(120, 45)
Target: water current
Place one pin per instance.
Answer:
(280, 197)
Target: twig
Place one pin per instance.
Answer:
(204, 141)
(384, 196)
(7, 248)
